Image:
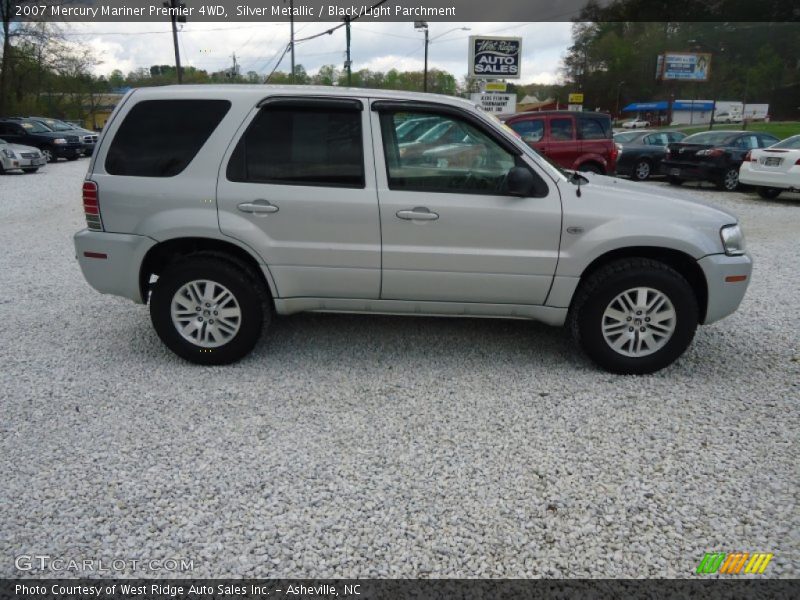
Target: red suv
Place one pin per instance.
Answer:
(574, 140)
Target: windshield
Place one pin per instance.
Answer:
(56, 125)
(626, 137)
(711, 138)
(35, 127)
(792, 143)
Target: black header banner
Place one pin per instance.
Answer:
(405, 10)
(390, 589)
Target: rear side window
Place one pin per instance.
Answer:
(159, 138)
(301, 146)
(594, 129)
(561, 130)
(530, 131)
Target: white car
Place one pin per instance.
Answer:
(727, 117)
(14, 157)
(636, 124)
(773, 170)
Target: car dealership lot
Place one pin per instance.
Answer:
(387, 446)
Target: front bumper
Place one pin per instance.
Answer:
(111, 261)
(11, 164)
(726, 288)
(67, 150)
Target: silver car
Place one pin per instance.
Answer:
(14, 157)
(222, 206)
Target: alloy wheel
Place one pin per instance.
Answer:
(638, 322)
(206, 313)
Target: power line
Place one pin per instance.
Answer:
(278, 64)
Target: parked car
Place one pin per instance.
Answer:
(636, 124)
(713, 156)
(579, 141)
(410, 130)
(641, 152)
(313, 208)
(52, 144)
(773, 170)
(727, 117)
(87, 138)
(14, 157)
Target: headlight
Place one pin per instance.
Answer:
(9, 153)
(60, 141)
(732, 240)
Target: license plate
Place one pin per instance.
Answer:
(675, 172)
(772, 161)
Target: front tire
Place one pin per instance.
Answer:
(208, 310)
(634, 316)
(31, 170)
(769, 193)
(48, 155)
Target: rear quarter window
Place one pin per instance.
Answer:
(594, 128)
(159, 138)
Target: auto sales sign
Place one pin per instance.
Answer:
(495, 57)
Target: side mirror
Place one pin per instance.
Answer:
(519, 182)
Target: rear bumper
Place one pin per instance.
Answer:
(724, 297)
(691, 171)
(110, 262)
(764, 178)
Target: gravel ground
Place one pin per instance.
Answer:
(388, 447)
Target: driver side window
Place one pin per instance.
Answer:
(451, 156)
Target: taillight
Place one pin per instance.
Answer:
(91, 206)
(748, 157)
(798, 162)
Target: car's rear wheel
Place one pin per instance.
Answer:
(674, 180)
(591, 168)
(208, 310)
(729, 180)
(642, 170)
(634, 316)
(769, 193)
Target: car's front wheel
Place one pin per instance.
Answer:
(634, 316)
(674, 180)
(769, 193)
(48, 155)
(208, 310)
(31, 170)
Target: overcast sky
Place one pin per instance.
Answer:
(375, 45)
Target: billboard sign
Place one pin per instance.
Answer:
(496, 103)
(576, 98)
(685, 66)
(495, 57)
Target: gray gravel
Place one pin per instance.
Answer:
(388, 447)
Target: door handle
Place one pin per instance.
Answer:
(420, 213)
(258, 207)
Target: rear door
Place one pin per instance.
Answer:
(299, 189)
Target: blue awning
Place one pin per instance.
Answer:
(699, 105)
(643, 106)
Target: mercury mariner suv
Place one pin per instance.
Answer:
(221, 206)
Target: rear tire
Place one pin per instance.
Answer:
(769, 193)
(644, 307)
(221, 290)
(729, 181)
(642, 170)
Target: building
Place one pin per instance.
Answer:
(694, 112)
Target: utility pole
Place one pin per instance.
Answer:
(176, 6)
(234, 72)
(424, 25)
(291, 33)
(347, 63)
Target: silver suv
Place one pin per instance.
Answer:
(222, 205)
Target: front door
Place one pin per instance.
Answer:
(299, 189)
(450, 232)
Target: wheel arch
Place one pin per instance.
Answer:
(167, 251)
(591, 159)
(680, 261)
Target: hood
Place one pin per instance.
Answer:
(19, 148)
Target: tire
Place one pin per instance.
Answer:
(48, 155)
(666, 339)
(642, 170)
(591, 168)
(70, 158)
(674, 180)
(239, 334)
(729, 181)
(31, 170)
(769, 193)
